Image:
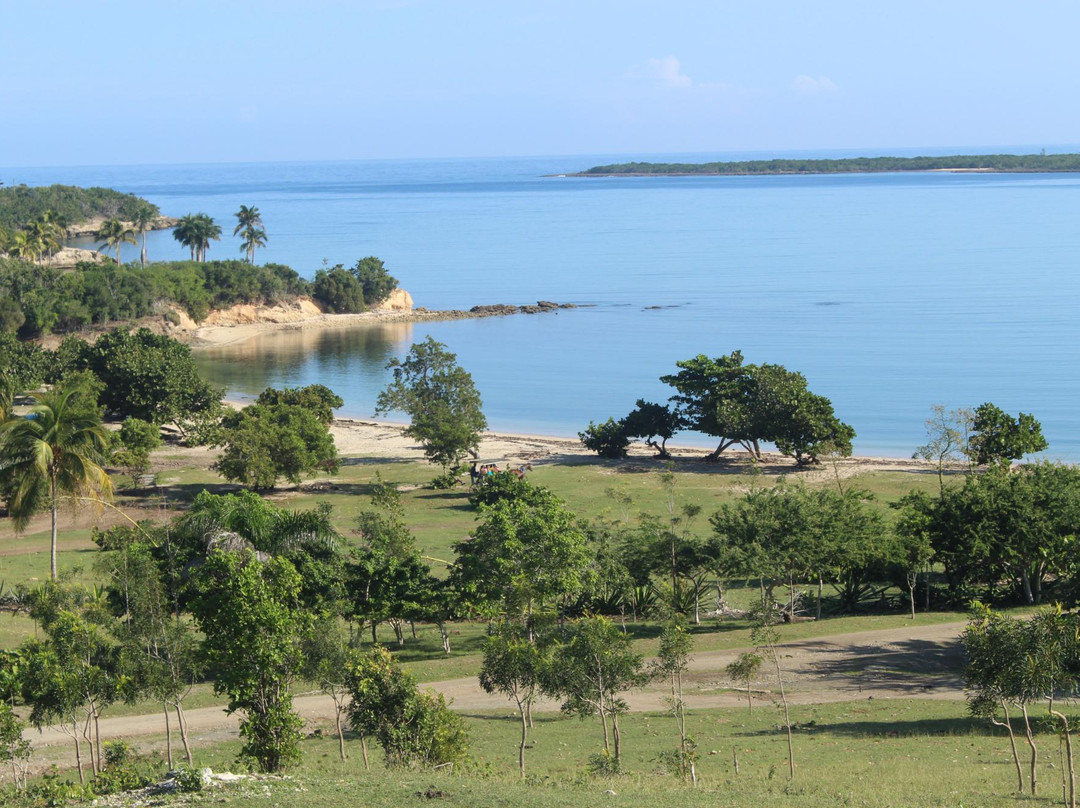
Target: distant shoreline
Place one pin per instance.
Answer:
(961, 164)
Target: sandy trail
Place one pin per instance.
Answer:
(911, 662)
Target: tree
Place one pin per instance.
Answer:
(114, 233)
(54, 454)
(748, 404)
(196, 231)
(607, 439)
(999, 438)
(765, 636)
(250, 614)
(249, 223)
(590, 669)
(523, 555)
(948, 433)
(319, 399)
(441, 400)
(338, 291)
(745, 669)
(648, 421)
(414, 729)
(252, 237)
(14, 749)
(132, 445)
(328, 656)
(142, 218)
(1015, 528)
(150, 376)
(262, 443)
(514, 666)
(375, 281)
(673, 660)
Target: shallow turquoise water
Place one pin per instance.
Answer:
(889, 292)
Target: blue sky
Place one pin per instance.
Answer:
(87, 83)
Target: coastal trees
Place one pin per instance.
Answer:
(1011, 532)
(54, 454)
(747, 404)
(195, 231)
(114, 233)
(264, 442)
(249, 225)
(250, 615)
(440, 399)
(947, 433)
(999, 438)
(142, 218)
(347, 291)
(149, 376)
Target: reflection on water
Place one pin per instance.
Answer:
(350, 361)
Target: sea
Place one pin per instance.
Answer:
(889, 292)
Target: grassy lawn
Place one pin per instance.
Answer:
(877, 754)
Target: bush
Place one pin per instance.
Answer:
(189, 780)
(375, 281)
(607, 439)
(338, 291)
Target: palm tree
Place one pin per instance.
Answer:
(52, 454)
(247, 218)
(142, 219)
(114, 233)
(23, 245)
(196, 231)
(253, 237)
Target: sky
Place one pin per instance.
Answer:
(125, 82)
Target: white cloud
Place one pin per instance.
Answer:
(666, 71)
(808, 85)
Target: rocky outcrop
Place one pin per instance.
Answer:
(399, 300)
(91, 226)
(68, 257)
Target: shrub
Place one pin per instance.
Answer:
(607, 439)
(338, 291)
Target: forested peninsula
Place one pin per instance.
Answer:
(990, 163)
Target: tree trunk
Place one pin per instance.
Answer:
(1012, 743)
(52, 544)
(181, 721)
(78, 757)
(616, 736)
(445, 638)
(524, 736)
(820, 590)
(363, 748)
(787, 714)
(168, 736)
(340, 732)
(1069, 756)
(1034, 751)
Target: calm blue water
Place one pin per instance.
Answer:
(889, 292)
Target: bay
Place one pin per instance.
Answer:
(890, 292)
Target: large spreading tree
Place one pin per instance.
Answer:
(749, 404)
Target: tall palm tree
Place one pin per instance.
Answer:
(253, 237)
(114, 233)
(54, 453)
(196, 231)
(143, 217)
(247, 218)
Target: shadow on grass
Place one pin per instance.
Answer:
(377, 461)
(915, 728)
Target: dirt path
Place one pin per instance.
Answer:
(915, 662)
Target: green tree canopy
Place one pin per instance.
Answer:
(263, 443)
(999, 438)
(440, 399)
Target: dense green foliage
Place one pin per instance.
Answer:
(21, 204)
(347, 291)
(1002, 535)
(853, 165)
(250, 613)
(319, 399)
(441, 400)
(262, 443)
(37, 300)
(999, 438)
